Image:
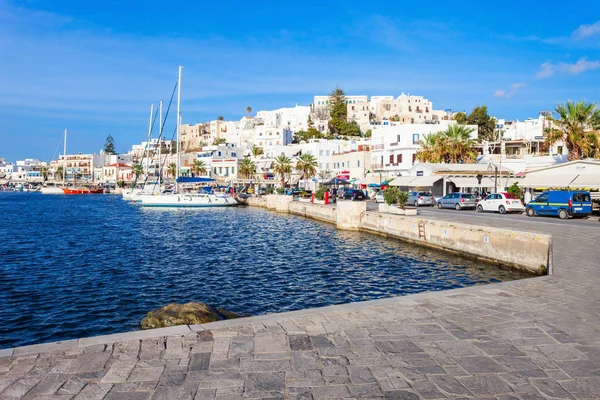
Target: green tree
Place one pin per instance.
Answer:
(219, 141)
(198, 168)
(247, 168)
(137, 170)
(395, 118)
(282, 166)
(307, 164)
(248, 110)
(450, 146)
(320, 193)
(577, 127)
(485, 123)
(44, 173)
(109, 145)
(460, 117)
(172, 170)
(59, 172)
(220, 118)
(515, 189)
(256, 151)
(338, 111)
(368, 133)
(350, 129)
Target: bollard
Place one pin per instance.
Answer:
(326, 197)
(312, 198)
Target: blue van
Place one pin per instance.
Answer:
(561, 203)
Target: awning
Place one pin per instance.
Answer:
(425, 181)
(402, 181)
(546, 181)
(373, 179)
(591, 181)
(466, 182)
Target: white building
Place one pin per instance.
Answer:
(323, 101)
(294, 118)
(394, 148)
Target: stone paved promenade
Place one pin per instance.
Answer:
(533, 339)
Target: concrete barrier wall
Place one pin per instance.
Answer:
(314, 211)
(521, 250)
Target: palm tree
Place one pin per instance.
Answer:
(577, 127)
(137, 170)
(220, 118)
(451, 146)
(198, 168)
(256, 151)
(172, 170)
(59, 172)
(44, 173)
(247, 168)
(283, 166)
(307, 164)
(248, 110)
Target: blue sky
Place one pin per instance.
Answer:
(95, 67)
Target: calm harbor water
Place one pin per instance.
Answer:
(78, 266)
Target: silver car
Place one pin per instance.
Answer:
(458, 201)
(420, 199)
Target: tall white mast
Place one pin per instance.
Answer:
(65, 158)
(178, 127)
(160, 127)
(149, 135)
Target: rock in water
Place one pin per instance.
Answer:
(185, 314)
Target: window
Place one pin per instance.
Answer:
(414, 158)
(232, 154)
(358, 164)
(327, 153)
(219, 154)
(343, 165)
(320, 152)
(227, 171)
(398, 138)
(391, 158)
(215, 170)
(327, 166)
(581, 197)
(416, 139)
(232, 170)
(220, 170)
(542, 198)
(398, 158)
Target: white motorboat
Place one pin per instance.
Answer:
(186, 200)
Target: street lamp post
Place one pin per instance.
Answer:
(495, 167)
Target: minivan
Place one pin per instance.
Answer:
(561, 203)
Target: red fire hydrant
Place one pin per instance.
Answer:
(326, 197)
(312, 198)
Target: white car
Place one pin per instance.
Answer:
(501, 202)
(379, 197)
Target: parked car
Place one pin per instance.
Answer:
(354, 194)
(379, 197)
(501, 202)
(458, 201)
(420, 199)
(561, 203)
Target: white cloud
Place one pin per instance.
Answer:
(585, 31)
(512, 90)
(548, 69)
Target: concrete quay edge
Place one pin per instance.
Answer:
(185, 329)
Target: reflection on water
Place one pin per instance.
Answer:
(82, 266)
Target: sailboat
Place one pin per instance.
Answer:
(56, 189)
(184, 200)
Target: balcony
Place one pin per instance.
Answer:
(377, 147)
(377, 166)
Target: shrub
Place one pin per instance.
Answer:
(320, 193)
(269, 190)
(515, 189)
(390, 195)
(393, 195)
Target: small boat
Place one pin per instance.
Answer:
(82, 190)
(187, 200)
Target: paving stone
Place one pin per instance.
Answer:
(141, 374)
(93, 361)
(93, 391)
(397, 346)
(270, 344)
(199, 361)
(400, 395)
(449, 384)
(584, 388)
(485, 385)
(119, 371)
(19, 388)
(479, 365)
(300, 342)
(264, 382)
(330, 392)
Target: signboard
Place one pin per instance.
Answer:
(343, 175)
(419, 173)
(539, 137)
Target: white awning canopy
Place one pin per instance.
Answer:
(590, 181)
(465, 182)
(402, 181)
(546, 181)
(425, 181)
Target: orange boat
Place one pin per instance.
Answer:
(82, 191)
